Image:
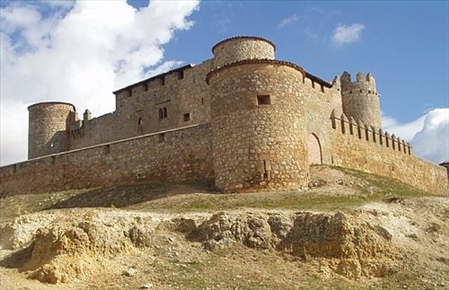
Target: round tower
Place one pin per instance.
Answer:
(360, 99)
(48, 123)
(258, 126)
(241, 48)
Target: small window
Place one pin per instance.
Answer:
(140, 122)
(181, 74)
(187, 117)
(162, 113)
(161, 138)
(263, 100)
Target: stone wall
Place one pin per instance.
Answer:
(175, 155)
(377, 152)
(48, 122)
(319, 102)
(181, 95)
(258, 125)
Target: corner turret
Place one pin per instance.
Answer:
(48, 123)
(360, 99)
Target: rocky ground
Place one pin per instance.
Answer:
(348, 231)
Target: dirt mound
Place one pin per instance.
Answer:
(62, 248)
(347, 246)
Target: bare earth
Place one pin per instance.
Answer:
(188, 237)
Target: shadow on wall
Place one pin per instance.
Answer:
(132, 194)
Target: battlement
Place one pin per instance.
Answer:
(370, 134)
(316, 82)
(365, 84)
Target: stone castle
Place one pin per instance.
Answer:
(243, 118)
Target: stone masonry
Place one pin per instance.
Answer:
(242, 118)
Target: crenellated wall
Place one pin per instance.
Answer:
(374, 151)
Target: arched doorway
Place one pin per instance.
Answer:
(314, 149)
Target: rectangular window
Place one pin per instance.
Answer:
(187, 117)
(161, 138)
(263, 100)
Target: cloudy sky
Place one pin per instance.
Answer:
(81, 51)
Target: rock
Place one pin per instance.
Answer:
(130, 272)
(147, 286)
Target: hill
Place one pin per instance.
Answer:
(348, 230)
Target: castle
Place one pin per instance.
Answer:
(243, 118)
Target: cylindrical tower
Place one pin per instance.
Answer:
(48, 123)
(360, 99)
(241, 48)
(258, 126)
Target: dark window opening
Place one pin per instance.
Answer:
(140, 122)
(181, 74)
(107, 149)
(265, 171)
(162, 113)
(187, 117)
(161, 138)
(145, 87)
(263, 100)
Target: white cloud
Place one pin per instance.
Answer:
(346, 34)
(288, 21)
(78, 52)
(432, 142)
(429, 134)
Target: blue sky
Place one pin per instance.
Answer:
(404, 44)
(80, 52)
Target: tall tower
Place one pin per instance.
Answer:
(258, 118)
(360, 99)
(48, 123)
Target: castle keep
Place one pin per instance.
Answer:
(243, 118)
